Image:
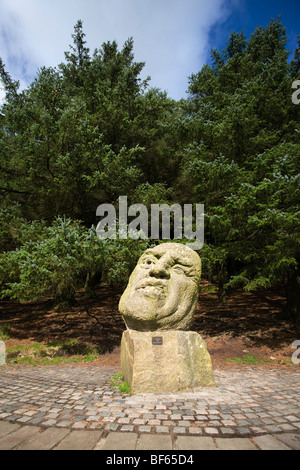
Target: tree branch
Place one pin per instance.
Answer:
(14, 191)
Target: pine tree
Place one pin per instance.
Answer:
(243, 163)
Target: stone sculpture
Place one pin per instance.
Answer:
(158, 352)
(162, 292)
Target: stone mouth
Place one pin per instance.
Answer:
(152, 288)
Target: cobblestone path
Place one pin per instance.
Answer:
(250, 402)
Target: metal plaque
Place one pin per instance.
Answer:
(157, 340)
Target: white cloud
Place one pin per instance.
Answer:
(2, 95)
(171, 36)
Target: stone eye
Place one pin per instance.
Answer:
(178, 269)
(147, 262)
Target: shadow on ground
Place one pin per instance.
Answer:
(248, 320)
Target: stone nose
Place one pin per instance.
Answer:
(161, 269)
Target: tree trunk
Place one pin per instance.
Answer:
(91, 282)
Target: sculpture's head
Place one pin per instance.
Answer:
(162, 291)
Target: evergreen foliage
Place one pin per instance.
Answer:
(91, 129)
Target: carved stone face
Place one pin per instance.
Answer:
(162, 291)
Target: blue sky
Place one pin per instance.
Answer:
(248, 14)
(173, 37)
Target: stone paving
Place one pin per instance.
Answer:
(251, 403)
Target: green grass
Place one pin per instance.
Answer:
(52, 353)
(248, 359)
(117, 381)
(208, 289)
(5, 331)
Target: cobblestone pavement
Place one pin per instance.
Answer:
(255, 403)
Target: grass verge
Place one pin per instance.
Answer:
(248, 359)
(53, 353)
(5, 331)
(117, 381)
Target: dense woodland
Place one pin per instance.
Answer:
(89, 130)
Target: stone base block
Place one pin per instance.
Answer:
(165, 361)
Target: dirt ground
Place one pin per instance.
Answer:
(248, 325)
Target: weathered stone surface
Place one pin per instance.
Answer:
(157, 355)
(269, 442)
(235, 443)
(44, 440)
(154, 442)
(80, 440)
(7, 428)
(13, 439)
(2, 353)
(195, 443)
(291, 439)
(120, 441)
(162, 291)
(180, 362)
